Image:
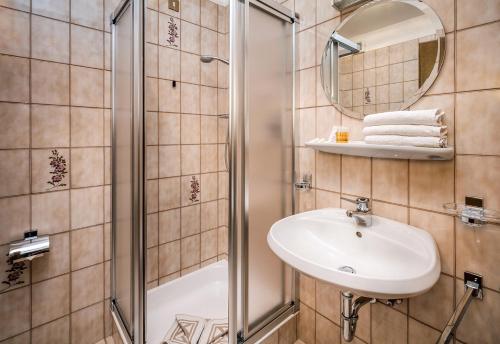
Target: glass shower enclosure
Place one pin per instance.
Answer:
(202, 164)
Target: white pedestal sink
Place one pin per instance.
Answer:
(388, 260)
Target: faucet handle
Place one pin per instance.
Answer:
(362, 203)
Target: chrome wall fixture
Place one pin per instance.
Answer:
(29, 248)
(472, 213)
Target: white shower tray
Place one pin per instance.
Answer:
(360, 148)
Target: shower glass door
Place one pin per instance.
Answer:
(127, 283)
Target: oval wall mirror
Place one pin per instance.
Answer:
(383, 57)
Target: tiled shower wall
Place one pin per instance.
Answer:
(187, 181)
(413, 192)
(55, 159)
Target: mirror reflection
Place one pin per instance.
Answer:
(383, 57)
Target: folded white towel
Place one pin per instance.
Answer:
(420, 117)
(406, 130)
(416, 141)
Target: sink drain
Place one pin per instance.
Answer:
(347, 269)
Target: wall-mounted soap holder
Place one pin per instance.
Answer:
(473, 213)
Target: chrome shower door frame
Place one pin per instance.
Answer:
(135, 333)
(239, 330)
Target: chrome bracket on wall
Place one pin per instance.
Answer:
(305, 184)
(473, 284)
(473, 213)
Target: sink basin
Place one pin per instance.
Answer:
(387, 260)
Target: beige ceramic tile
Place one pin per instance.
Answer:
(208, 99)
(14, 32)
(49, 83)
(431, 184)
(190, 37)
(49, 39)
(326, 331)
(190, 251)
(152, 128)
(388, 326)
(50, 212)
(445, 11)
(325, 11)
(169, 128)
(87, 286)
(86, 207)
(308, 290)
(15, 315)
(208, 244)
(152, 162)
(390, 180)
(328, 301)
(14, 72)
(151, 60)
(209, 185)
(169, 258)
(87, 13)
(87, 48)
(86, 127)
(190, 98)
(152, 264)
(476, 124)
(306, 324)
(169, 161)
(50, 299)
(306, 48)
(306, 83)
(419, 333)
(390, 211)
(54, 332)
(477, 12)
(190, 220)
(209, 42)
(190, 159)
(328, 171)
(190, 129)
(14, 172)
(152, 192)
(170, 96)
(86, 247)
(326, 199)
(86, 87)
(151, 89)
(441, 229)
(15, 129)
(152, 231)
(169, 193)
(50, 126)
(209, 127)
(356, 176)
(209, 14)
(14, 216)
(42, 178)
(87, 167)
(434, 307)
(151, 27)
(23, 5)
(190, 68)
(169, 226)
(87, 325)
(483, 67)
(208, 215)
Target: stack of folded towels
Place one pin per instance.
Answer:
(420, 128)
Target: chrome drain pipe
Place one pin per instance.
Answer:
(350, 310)
(473, 289)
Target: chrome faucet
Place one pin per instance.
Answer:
(363, 214)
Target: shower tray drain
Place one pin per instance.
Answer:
(347, 269)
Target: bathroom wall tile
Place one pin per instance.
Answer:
(326, 118)
(477, 13)
(14, 32)
(209, 187)
(431, 184)
(326, 331)
(151, 91)
(209, 43)
(169, 96)
(14, 71)
(14, 172)
(169, 128)
(169, 225)
(222, 242)
(169, 193)
(86, 87)
(208, 215)
(14, 132)
(190, 159)
(328, 171)
(325, 11)
(41, 177)
(208, 247)
(190, 98)
(169, 161)
(152, 162)
(87, 48)
(357, 176)
(190, 129)
(328, 301)
(151, 60)
(50, 299)
(208, 100)
(23, 5)
(209, 14)
(152, 264)
(86, 207)
(390, 211)
(410, 50)
(87, 167)
(56, 262)
(445, 11)
(308, 290)
(54, 332)
(50, 126)
(15, 314)
(475, 325)
(441, 229)
(476, 123)
(190, 37)
(169, 258)
(49, 83)
(306, 83)
(484, 67)
(390, 180)
(477, 251)
(87, 325)
(87, 286)
(190, 221)
(107, 165)
(478, 176)
(306, 48)
(14, 216)
(87, 127)
(107, 241)
(209, 73)
(50, 39)
(190, 68)
(389, 326)
(151, 26)
(190, 11)
(152, 192)
(306, 324)
(87, 13)
(152, 128)
(419, 333)
(434, 307)
(86, 247)
(152, 231)
(287, 333)
(209, 129)
(307, 125)
(325, 199)
(50, 212)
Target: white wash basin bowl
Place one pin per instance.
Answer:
(389, 259)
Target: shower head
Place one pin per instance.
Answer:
(209, 58)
